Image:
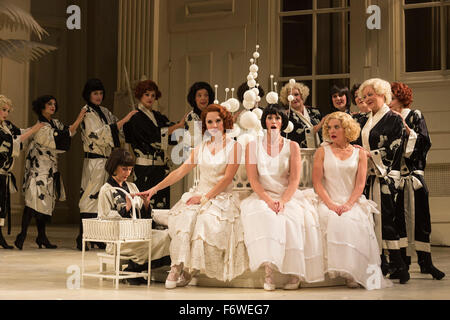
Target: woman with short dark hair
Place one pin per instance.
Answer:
(340, 99)
(100, 133)
(42, 183)
(113, 203)
(281, 228)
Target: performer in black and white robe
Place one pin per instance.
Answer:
(413, 200)
(113, 204)
(42, 183)
(11, 138)
(382, 138)
(100, 132)
(149, 132)
(307, 120)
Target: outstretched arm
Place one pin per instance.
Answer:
(173, 177)
(234, 160)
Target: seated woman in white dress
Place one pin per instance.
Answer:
(281, 228)
(114, 204)
(339, 176)
(205, 226)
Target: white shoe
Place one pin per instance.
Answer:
(171, 284)
(269, 286)
(292, 286)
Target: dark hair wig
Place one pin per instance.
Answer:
(90, 86)
(275, 109)
(39, 103)
(193, 91)
(340, 91)
(118, 157)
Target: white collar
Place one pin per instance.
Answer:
(405, 112)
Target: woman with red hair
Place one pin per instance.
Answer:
(205, 225)
(148, 132)
(414, 215)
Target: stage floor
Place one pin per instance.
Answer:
(43, 274)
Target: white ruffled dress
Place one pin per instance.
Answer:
(350, 245)
(209, 238)
(290, 240)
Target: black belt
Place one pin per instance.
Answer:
(88, 155)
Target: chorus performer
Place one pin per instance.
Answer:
(413, 198)
(382, 138)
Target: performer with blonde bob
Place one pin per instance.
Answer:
(382, 138)
(205, 225)
(339, 176)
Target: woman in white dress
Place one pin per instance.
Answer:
(281, 228)
(339, 175)
(205, 226)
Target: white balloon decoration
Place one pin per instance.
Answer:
(256, 91)
(254, 74)
(256, 54)
(227, 105)
(248, 104)
(235, 131)
(290, 98)
(289, 128)
(253, 68)
(291, 81)
(234, 104)
(272, 97)
(249, 95)
(258, 113)
(250, 77)
(248, 120)
(258, 98)
(251, 83)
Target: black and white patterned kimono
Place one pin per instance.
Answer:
(303, 132)
(382, 135)
(147, 132)
(10, 147)
(412, 201)
(100, 134)
(42, 182)
(112, 205)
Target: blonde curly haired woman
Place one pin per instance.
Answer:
(339, 176)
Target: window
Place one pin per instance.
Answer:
(314, 46)
(427, 31)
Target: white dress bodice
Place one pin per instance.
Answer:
(212, 167)
(273, 170)
(339, 176)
